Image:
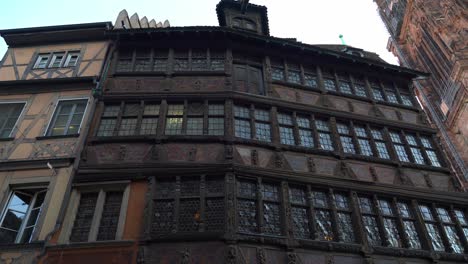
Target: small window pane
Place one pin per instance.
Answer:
(277, 74)
(285, 119)
(195, 126)
(418, 158)
(286, 136)
(110, 216)
(175, 110)
(303, 122)
(329, 84)
(127, 127)
(401, 152)
(345, 87)
(382, 150)
(406, 99)
(151, 109)
(149, 126)
(360, 90)
(216, 126)
(325, 141)
(310, 80)
(240, 111)
(215, 109)
(242, 129)
(426, 212)
(262, 132)
(306, 138)
(433, 158)
(348, 146)
(378, 95)
(106, 127)
(294, 77)
(173, 126)
(262, 115)
(320, 199)
(365, 147)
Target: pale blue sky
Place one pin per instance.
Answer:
(310, 21)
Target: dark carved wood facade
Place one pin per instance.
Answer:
(256, 149)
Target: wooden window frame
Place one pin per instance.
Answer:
(15, 126)
(102, 188)
(53, 118)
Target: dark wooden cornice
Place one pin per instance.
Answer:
(55, 34)
(46, 85)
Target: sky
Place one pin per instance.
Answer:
(309, 21)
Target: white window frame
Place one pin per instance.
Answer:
(28, 212)
(54, 58)
(69, 55)
(39, 58)
(51, 119)
(20, 115)
(102, 188)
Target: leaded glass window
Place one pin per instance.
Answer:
(345, 138)
(160, 60)
(380, 144)
(195, 118)
(217, 60)
(377, 91)
(271, 209)
(299, 212)
(216, 119)
(406, 99)
(369, 220)
(363, 140)
(449, 228)
(329, 84)
(247, 206)
(391, 93)
(197, 212)
(344, 83)
(322, 216)
(181, 60)
(149, 122)
(286, 129)
(124, 63)
(129, 120)
(415, 150)
(262, 125)
(359, 86)
(242, 122)
(344, 222)
(277, 71)
(310, 78)
(324, 134)
(199, 60)
(409, 225)
(431, 228)
(399, 146)
(390, 223)
(462, 221)
(174, 119)
(143, 60)
(306, 138)
(110, 216)
(430, 151)
(294, 74)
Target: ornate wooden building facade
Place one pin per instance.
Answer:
(46, 79)
(431, 36)
(227, 145)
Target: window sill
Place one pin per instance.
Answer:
(35, 244)
(57, 137)
(7, 139)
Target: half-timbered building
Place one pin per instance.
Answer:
(223, 144)
(46, 81)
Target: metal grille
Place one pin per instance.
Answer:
(163, 216)
(110, 216)
(214, 214)
(300, 221)
(84, 217)
(190, 187)
(189, 215)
